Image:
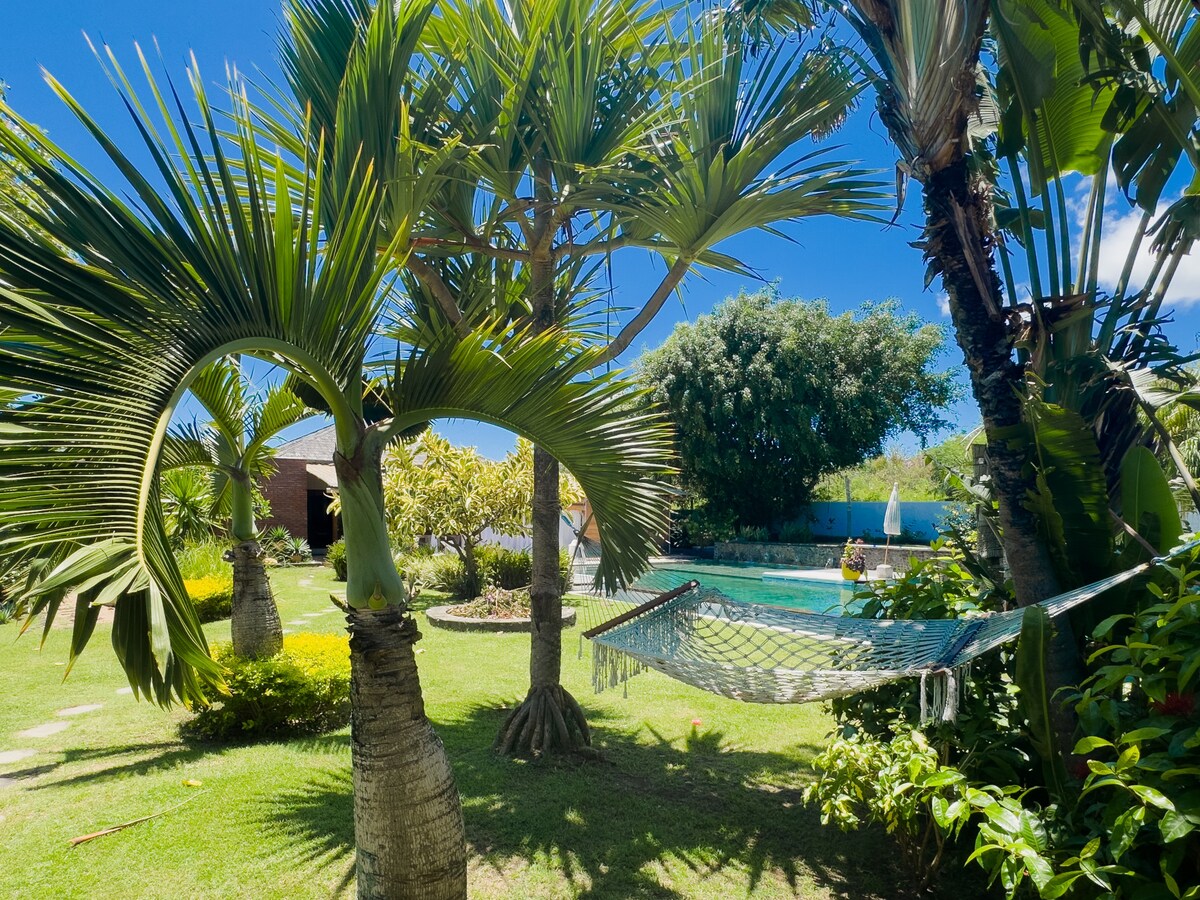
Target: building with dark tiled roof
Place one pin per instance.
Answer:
(299, 491)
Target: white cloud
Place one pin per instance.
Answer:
(1119, 231)
(943, 304)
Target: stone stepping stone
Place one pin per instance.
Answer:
(79, 710)
(125, 690)
(12, 756)
(40, 731)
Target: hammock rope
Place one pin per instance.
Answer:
(768, 654)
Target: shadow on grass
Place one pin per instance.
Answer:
(143, 759)
(610, 827)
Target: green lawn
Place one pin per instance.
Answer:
(667, 813)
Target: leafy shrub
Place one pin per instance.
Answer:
(899, 784)
(796, 533)
(754, 534)
(508, 569)
(335, 556)
(704, 526)
(305, 689)
(1134, 827)
(1129, 829)
(442, 571)
(199, 559)
(212, 596)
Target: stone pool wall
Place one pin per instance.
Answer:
(818, 555)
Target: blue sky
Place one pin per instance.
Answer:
(844, 262)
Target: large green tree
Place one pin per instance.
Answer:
(232, 447)
(767, 395)
(234, 247)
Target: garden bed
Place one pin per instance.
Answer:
(443, 618)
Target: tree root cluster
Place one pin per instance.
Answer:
(548, 720)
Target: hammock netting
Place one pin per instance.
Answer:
(767, 654)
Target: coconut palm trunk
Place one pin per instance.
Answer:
(408, 825)
(958, 239)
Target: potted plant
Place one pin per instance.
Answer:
(854, 560)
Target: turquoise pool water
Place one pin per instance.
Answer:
(745, 582)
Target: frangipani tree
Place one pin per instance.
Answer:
(242, 251)
(595, 128)
(233, 448)
(453, 493)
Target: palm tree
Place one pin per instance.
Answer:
(597, 130)
(242, 251)
(936, 102)
(233, 447)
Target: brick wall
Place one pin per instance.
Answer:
(287, 492)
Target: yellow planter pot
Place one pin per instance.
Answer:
(851, 574)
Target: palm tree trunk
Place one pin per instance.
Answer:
(549, 718)
(254, 622)
(958, 242)
(408, 825)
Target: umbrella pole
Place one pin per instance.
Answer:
(886, 546)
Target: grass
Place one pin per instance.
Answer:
(673, 810)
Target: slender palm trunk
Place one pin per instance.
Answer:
(549, 718)
(958, 239)
(408, 825)
(254, 622)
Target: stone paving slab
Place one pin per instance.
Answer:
(12, 756)
(40, 731)
(79, 710)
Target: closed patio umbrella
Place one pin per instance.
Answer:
(891, 518)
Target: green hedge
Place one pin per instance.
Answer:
(305, 689)
(212, 596)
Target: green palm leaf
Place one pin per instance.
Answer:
(101, 341)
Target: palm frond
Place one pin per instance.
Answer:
(539, 387)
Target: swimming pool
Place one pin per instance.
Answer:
(744, 581)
